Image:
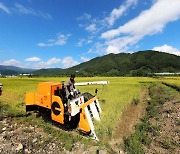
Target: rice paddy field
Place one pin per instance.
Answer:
(114, 97)
(173, 82)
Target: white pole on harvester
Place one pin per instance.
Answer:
(91, 83)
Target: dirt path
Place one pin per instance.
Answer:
(130, 117)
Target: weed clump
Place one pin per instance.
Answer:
(136, 101)
(166, 143)
(152, 109)
(135, 142)
(133, 145)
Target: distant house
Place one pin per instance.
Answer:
(26, 74)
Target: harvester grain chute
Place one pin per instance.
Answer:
(78, 112)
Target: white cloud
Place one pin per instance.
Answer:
(89, 41)
(81, 42)
(84, 59)
(60, 40)
(92, 25)
(48, 64)
(91, 28)
(29, 11)
(84, 41)
(43, 44)
(33, 59)
(168, 49)
(117, 13)
(99, 48)
(11, 62)
(64, 63)
(69, 62)
(39, 64)
(149, 22)
(24, 10)
(85, 16)
(120, 44)
(95, 25)
(4, 8)
(53, 61)
(112, 49)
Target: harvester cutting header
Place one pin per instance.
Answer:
(68, 108)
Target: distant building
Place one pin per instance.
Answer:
(167, 73)
(11, 76)
(26, 74)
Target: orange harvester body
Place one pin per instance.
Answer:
(79, 113)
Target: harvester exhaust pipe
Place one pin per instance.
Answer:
(96, 91)
(1, 86)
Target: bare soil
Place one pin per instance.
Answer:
(168, 119)
(18, 138)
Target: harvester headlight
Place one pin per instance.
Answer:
(71, 93)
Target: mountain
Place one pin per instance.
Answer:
(50, 71)
(126, 63)
(136, 64)
(13, 70)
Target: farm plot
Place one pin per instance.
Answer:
(173, 82)
(114, 97)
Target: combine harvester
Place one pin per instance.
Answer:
(77, 112)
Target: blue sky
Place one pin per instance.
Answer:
(64, 33)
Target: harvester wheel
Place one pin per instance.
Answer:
(54, 110)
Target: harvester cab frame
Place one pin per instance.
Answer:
(77, 111)
(1, 87)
